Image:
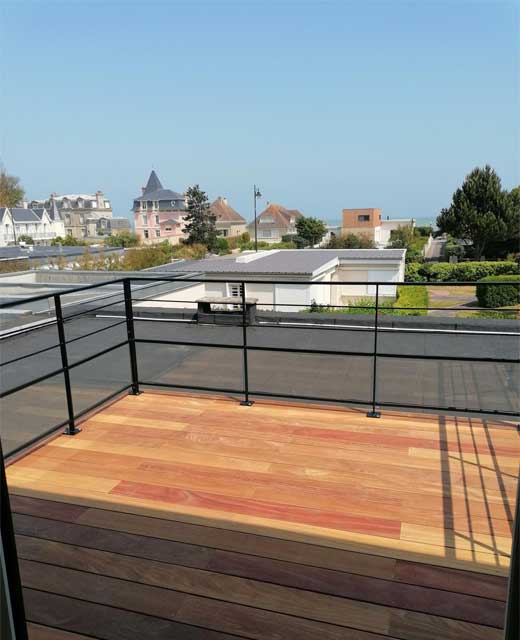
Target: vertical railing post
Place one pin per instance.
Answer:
(512, 619)
(12, 606)
(129, 313)
(71, 428)
(246, 402)
(373, 413)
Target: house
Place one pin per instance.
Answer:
(310, 266)
(369, 224)
(77, 211)
(40, 224)
(107, 226)
(159, 213)
(275, 222)
(229, 222)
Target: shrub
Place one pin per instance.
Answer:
(462, 271)
(491, 296)
(222, 246)
(25, 238)
(411, 301)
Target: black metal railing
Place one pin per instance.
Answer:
(121, 311)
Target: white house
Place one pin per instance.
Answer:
(40, 224)
(288, 267)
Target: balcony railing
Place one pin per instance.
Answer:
(368, 349)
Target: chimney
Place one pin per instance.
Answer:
(224, 200)
(99, 200)
(25, 204)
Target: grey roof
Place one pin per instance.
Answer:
(38, 252)
(286, 261)
(39, 212)
(153, 184)
(2, 212)
(54, 212)
(20, 214)
(155, 191)
(161, 194)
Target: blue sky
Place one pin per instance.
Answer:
(324, 105)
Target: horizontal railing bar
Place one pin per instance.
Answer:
(36, 439)
(189, 386)
(217, 345)
(64, 423)
(313, 398)
(437, 408)
(7, 305)
(23, 386)
(184, 277)
(239, 280)
(97, 355)
(29, 355)
(101, 402)
(92, 333)
(251, 347)
(84, 313)
(383, 355)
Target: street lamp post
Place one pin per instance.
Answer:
(256, 195)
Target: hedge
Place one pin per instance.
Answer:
(461, 271)
(411, 301)
(491, 296)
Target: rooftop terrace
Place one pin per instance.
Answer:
(267, 510)
(195, 517)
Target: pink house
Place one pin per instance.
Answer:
(159, 213)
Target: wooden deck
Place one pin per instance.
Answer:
(172, 516)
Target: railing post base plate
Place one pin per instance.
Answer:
(73, 432)
(247, 403)
(135, 392)
(373, 414)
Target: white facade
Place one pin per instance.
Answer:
(293, 297)
(18, 222)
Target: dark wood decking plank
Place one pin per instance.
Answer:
(40, 632)
(103, 622)
(156, 530)
(384, 592)
(196, 582)
(189, 610)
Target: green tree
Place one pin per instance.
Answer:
(11, 192)
(350, 241)
(311, 230)
(200, 222)
(123, 239)
(479, 211)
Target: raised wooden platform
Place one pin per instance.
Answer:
(173, 516)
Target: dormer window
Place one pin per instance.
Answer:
(173, 203)
(267, 219)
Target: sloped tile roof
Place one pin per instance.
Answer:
(224, 213)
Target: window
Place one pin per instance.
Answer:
(266, 220)
(146, 234)
(143, 205)
(363, 218)
(265, 233)
(156, 205)
(157, 233)
(225, 233)
(67, 218)
(173, 203)
(167, 228)
(145, 220)
(156, 219)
